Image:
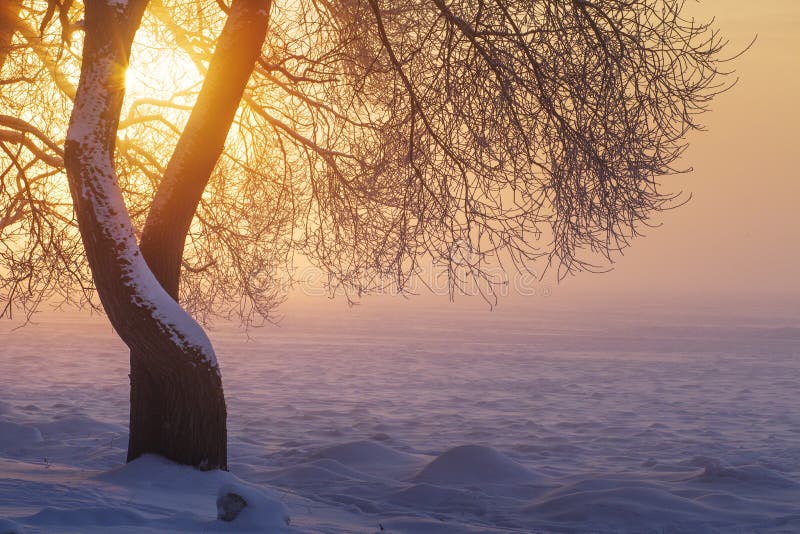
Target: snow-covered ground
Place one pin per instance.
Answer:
(421, 421)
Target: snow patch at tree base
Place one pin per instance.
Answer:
(146, 495)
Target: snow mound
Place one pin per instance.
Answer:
(365, 453)
(16, 436)
(261, 511)
(184, 487)
(475, 465)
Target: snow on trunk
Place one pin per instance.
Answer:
(180, 412)
(99, 190)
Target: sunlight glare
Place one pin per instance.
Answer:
(160, 72)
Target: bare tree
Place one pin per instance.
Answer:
(369, 137)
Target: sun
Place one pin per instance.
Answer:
(158, 71)
(162, 83)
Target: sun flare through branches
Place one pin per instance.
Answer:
(161, 72)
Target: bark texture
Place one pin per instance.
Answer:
(178, 196)
(189, 425)
(9, 15)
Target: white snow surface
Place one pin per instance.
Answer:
(370, 421)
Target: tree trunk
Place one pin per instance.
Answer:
(187, 422)
(178, 196)
(203, 140)
(9, 14)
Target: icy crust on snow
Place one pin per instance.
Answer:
(100, 190)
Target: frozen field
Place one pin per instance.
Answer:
(426, 422)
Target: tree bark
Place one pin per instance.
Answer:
(9, 14)
(189, 426)
(179, 193)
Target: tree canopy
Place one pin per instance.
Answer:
(372, 137)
